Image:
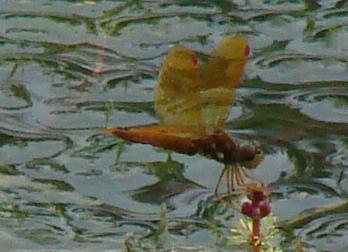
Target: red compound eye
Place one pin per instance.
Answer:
(194, 59)
(246, 51)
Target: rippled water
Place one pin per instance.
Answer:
(69, 68)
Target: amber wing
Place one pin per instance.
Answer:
(199, 97)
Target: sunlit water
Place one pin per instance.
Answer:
(69, 68)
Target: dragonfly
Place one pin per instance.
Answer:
(192, 102)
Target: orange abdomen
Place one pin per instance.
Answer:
(218, 146)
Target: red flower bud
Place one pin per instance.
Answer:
(265, 209)
(247, 209)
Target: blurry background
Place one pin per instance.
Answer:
(68, 68)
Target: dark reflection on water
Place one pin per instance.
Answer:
(68, 68)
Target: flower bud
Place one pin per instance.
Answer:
(265, 209)
(247, 209)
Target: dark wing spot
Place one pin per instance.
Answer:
(246, 51)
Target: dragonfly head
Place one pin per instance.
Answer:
(254, 156)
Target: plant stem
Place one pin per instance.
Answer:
(256, 234)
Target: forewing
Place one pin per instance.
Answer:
(177, 101)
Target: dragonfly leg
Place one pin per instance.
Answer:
(245, 172)
(216, 190)
(232, 177)
(247, 175)
(239, 176)
(228, 179)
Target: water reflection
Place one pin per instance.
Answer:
(171, 182)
